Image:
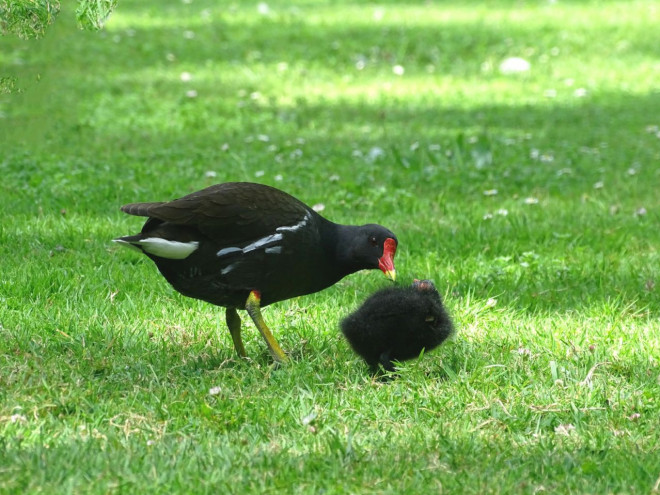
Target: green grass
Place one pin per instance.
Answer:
(110, 382)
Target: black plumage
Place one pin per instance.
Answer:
(396, 324)
(243, 246)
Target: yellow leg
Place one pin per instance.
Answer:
(234, 325)
(253, 307)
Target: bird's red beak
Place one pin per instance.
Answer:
(386, 261)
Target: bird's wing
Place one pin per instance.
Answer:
(240, 210)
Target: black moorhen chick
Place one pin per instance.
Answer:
(395, 324)
(243, 246)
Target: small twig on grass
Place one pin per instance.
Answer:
(656, 487)
(484, 423)
(590, 373)
(564, 409)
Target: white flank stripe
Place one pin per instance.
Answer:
(274, 250)
(163, 248)
(229, 250)
(295, 227)
(262, 242)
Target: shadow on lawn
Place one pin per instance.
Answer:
(453, 49)
(114, 63)
(288, 36)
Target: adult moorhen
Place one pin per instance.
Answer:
(396, 324)
(243, 246)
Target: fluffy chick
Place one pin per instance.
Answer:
(396, 324)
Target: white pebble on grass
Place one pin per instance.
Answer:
(17, 418)
(263, 8)
(379, 13)
(564, 429)
(514, 65)
(318, 207)
(375, 153)
(186, 76)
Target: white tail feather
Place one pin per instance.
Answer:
(173, 250)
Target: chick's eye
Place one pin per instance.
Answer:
(373, 241)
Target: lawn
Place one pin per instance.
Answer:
(529, 197)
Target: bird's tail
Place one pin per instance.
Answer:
(130, 241)
(140, 209)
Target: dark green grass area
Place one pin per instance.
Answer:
(529, 198)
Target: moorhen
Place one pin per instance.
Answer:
(396, 324)
(243, 246)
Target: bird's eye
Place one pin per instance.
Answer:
(373, 241)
